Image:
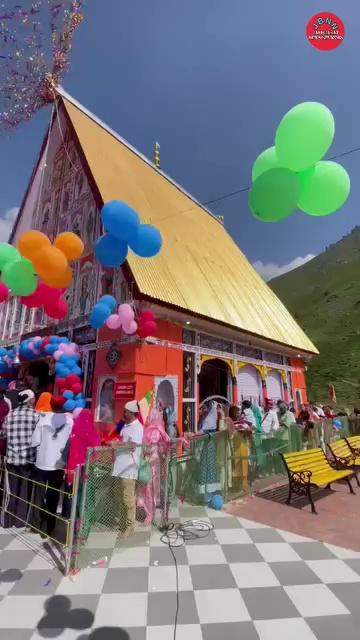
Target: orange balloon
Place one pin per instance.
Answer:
(61, 281)
(49, 262)
(70, 244)
(31, 242)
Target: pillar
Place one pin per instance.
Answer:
(235, 394)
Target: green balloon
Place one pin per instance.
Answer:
(304, 135)
(274, 195)
(323, 189)
(8, 253)
(19, 277)
(265, 161)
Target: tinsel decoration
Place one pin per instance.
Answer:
(35, 42)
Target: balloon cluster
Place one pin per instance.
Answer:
(55, 306)
(124, 231)
(292, 175)
(7, 357)
(36, 256)
(103, 313)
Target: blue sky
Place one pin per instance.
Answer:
(210, 81)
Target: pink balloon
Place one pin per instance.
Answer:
(126, 313)
(113, 322)
(31, 347)
(62, 346)
(58, 354)
(69, 351)
(130, 328)
(4, 292)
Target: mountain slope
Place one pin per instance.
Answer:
(324, 297)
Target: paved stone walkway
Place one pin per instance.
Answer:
(243, 581)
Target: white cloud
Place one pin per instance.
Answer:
(271, 270)
(7, 220)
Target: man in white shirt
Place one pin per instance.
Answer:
(126, 468)
(270, 420)
(50, 438)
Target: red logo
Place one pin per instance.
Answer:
(325, 31)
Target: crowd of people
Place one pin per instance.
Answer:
(39, 441)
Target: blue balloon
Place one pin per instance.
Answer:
(110, 302)
(3, 352)
(99, 315)
(337, 424)
(77, 371)
(110, 251)
(147, 243)
(216, 502)
(69, 405)
(69, 395)
(120, 221)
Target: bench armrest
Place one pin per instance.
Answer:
(302, 477)
(347, 461)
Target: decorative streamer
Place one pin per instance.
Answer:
(35, 44)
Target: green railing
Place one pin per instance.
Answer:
(237, 464)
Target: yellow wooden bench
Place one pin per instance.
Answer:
(354, 444)
(344, 457)
(307, 469)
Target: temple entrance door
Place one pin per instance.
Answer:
(215, 380)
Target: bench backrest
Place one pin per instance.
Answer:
(313, 460)
(354, 441)
(340, 448)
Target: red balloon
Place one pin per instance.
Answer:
(147, 328)
(146, 316)
(71, 379)
(4, 292)
(56, 309)
(76, 388)
(58, 401)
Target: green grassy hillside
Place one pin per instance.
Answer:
(324, 298)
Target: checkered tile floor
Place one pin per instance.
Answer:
(244, 581)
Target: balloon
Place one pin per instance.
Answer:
(70, 245)
(323, 189)
(60, 281)
(57, 355)
(110, 251)
(76, 388)
(126, 313)
(110, 301)
(337, 423)
(31, 242)
(69, 405)
(216, 502)
(19, 277)
(113, 322)
(56, 310)
(265, 161)
(147, 243)
(49, 262)
(148, 328)
(304, 135)
(72, 379)
(99, 315)
(147, 315)
(8, 253)
(120, 221)
(4, 292)
(77, 371)
(68, 395)
(274, 195)
(130, 328)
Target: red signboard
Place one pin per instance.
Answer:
(125, 391)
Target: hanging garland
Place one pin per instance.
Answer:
(30, 69)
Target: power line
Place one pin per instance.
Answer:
(243, 189)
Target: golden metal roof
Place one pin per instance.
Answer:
(200, 268)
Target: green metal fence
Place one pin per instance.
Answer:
(237, 464)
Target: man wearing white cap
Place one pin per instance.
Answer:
(126, 468)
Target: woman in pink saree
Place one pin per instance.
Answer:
(156, 442)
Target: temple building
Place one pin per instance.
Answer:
(222, 332)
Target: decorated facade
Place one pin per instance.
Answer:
(221, 332)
